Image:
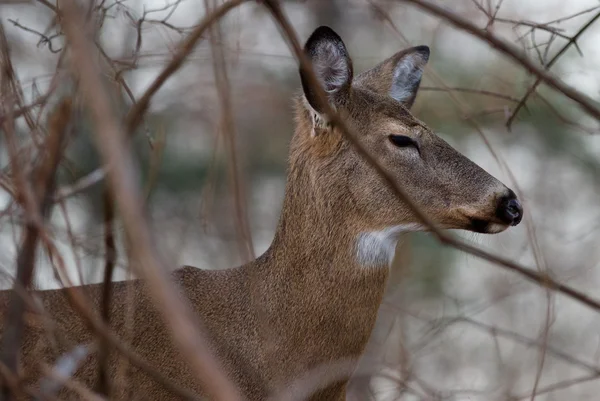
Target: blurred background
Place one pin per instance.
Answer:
(452, 327)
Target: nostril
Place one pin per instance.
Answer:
(514, 210)
(510, 210)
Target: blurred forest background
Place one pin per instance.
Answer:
(453, 327)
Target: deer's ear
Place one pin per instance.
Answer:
(331, 64)
(399, 76)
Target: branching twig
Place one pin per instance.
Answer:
(185, 49)
(44, 39)
(513, 53)
(136, 113)
(554, 59)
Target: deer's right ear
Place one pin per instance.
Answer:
(399, 76)
(331, 65)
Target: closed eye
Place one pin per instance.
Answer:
(403, 141)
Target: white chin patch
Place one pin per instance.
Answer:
(494, 228)
(377, 248)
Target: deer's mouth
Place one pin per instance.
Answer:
(487, 226)
(508, 212)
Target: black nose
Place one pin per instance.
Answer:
(509, 209)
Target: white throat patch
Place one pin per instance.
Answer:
(377, 248)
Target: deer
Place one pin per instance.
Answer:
(312, 297)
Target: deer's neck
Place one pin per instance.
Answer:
(317, 288)
(315, 225)
(312, 227)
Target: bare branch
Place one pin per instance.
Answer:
(43, 186)
(111, 140)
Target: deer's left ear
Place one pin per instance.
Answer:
(331, 65)
(399, 76)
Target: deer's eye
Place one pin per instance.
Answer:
(403, 141)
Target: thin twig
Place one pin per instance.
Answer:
(559, 386)
(103, 385)
(474, 91)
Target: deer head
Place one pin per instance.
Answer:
(450, 188)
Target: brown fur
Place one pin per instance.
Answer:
(306, 301)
